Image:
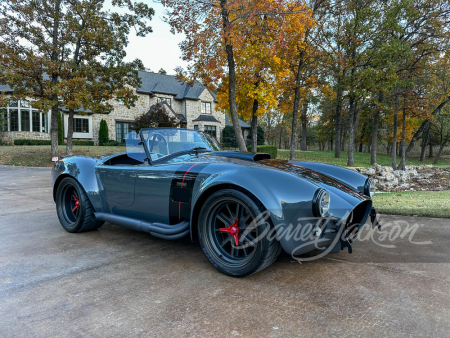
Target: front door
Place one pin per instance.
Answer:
(117, 184)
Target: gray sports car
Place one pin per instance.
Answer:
(243, 208)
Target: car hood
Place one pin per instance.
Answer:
(331, 184)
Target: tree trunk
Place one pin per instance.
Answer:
(281, 134)
(254, 126)
(430, 152)
(69, 133)
(354, 119)
(373, 150)
(403, 146)
(232, 79)
(351, 132)
(295, 110)
(394, 137)
(54, 131)
(438, 155)
(426, 134)
(337, 131)
(304, 146)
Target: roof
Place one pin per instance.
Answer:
(241, 123)
(5, 88)
(161, 84)
(168, 84)
(208, 118)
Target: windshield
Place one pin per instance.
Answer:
(162, 142)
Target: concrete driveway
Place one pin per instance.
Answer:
(115, 282)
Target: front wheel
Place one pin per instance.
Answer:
(74, 210)
(236, 235)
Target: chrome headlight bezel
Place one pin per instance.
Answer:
(369, 188)
(321, 203)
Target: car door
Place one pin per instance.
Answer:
(164, 191)
(117, 185)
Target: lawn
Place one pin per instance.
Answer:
(361, 159)
(420, 203)
(39, 156)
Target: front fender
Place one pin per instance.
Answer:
(82, 169)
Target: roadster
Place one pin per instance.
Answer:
(243, 208)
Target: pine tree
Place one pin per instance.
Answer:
(103, 137)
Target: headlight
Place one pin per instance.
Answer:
(369, 188)
(321, 204)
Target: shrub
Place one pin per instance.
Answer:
(3, 143)
(103, 137)
(82, 143)
(113, 143)
(259, 136)
(229, 137)
(271, 150)
(27, 142)
(60, 129)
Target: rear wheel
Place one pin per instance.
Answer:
(74, 210)
(232, 236)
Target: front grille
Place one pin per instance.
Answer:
(355, 219)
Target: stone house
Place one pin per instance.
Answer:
(194, 105)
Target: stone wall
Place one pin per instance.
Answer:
(10, 136)
(421, 177)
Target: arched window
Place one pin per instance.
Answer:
(21, 116)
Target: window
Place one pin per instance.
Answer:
(196, 127)
(167, 99)
(14, 119)
(25, 120)
(211, 130)
(36, 121)
(80, 125)
(20, 116)
(122, 128)
(206, 107)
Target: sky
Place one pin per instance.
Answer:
(158, 49)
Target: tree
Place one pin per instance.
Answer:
(155, 117)
(60, 129)
(38, 42)
(213, 31)
(162, 71)
(260, 136)
(103, 135)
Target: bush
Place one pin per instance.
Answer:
(271, 150)
(26, 142)
(60, 129)
(103, 137)
(82, 143)
(3, 143)
(229, 137)
(113, 143)
(259, 136)
(225, 145)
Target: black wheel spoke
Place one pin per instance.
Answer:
(224, 219)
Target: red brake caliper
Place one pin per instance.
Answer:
(77, 203)
(233, 230)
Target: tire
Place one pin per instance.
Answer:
(73, 207)
(224, 220)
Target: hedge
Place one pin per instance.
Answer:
(271, 150)
(27, 142)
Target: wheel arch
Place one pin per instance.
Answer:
(208, 192)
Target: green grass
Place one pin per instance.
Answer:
(39, 156)
(419, 203)
(361, 159)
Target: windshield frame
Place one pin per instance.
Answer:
(179, 153)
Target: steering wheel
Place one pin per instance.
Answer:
(150, 146)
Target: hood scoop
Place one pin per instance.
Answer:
(253, 157)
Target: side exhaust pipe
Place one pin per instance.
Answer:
(161, 230)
